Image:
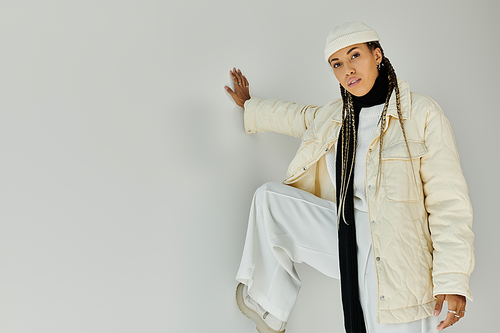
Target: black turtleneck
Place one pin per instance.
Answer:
(377, 93)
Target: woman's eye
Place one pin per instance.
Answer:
(336, 65)
(355, 55)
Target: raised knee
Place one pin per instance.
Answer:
(266, 187)
(269, 186)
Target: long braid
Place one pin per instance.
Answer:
(382, 120)
(348, 129)
(393, 84)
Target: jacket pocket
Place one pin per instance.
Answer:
(400, 184)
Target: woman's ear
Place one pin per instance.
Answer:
(378, 55)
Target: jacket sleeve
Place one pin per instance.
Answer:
(278, 116)
(449, 209)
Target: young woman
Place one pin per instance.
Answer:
(375, 196)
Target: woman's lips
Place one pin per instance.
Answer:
(353, 82)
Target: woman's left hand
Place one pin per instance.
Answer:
(456, 309)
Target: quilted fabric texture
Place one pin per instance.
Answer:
(421, 217)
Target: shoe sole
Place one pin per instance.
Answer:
(261, 325)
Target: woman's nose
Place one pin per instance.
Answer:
(349, 70)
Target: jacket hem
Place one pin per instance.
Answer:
(405, 315)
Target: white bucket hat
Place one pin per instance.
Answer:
(347, 34)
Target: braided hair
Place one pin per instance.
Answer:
(349, 126)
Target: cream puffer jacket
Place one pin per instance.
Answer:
(421, 226)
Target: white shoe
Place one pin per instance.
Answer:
(266, 322)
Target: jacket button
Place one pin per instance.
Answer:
(378, 258)
(370, 150)
(382, 297)
(373, 221)
(326, 149)
(305, 168)
(369, 187)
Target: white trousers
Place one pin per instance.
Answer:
(288, 226)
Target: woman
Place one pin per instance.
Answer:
(375, 196)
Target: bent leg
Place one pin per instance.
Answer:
(286, 225)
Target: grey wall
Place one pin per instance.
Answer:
(126, 176)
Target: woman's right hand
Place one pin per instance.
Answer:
(241, 92)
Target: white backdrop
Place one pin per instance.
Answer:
(126, 176)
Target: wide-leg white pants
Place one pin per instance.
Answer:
(288, 226)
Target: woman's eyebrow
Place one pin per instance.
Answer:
(352, 49)
(347, 53)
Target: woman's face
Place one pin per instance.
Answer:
(355, 67)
